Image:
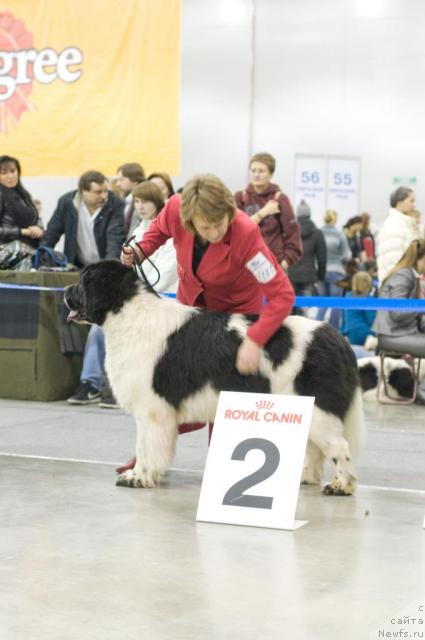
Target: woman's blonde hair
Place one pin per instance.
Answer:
(206, 196)
(414, 252)
(361, 283)
(330, 217)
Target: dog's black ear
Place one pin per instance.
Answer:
(368, 376)
(105, 287)
(401, 379)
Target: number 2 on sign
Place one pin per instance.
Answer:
(234, 496)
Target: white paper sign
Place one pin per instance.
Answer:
(310, 185)
(343, 187)
(255, 460)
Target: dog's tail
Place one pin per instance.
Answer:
(354, 423)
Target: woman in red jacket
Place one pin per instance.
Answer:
(268, 207)
(223, 263)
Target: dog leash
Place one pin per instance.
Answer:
(137, 265)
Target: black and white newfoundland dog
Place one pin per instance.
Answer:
(168, 362)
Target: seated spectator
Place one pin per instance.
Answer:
(338, 253)
(397, 232)
(268, 207)
(404, 331)
(94, 387)
(19, 218)
(357, 323)
(352, 229)
(129, 175)
(148, 202)
(163, 181)
(305, 274)
(92, 220)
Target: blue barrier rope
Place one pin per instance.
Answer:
(340, 302)
(29, 287)
(387, 304)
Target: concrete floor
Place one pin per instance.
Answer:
(83, 559)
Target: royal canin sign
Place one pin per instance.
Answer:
(263, 413)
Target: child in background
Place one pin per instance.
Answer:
(357, 323)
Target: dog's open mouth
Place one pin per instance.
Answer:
(74, 315)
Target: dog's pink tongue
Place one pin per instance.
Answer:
(71, 315)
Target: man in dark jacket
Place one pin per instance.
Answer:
(92, 220)
(311, 268)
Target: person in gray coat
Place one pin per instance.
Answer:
(338, 254)
(404, 331)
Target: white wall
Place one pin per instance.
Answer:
(340, 77)
(331, 80)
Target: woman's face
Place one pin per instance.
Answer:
(145, 209)
(162, 185)
(9, 176)
(211, 232)
(259, 175)
(407, 205)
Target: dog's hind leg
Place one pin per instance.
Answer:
(313, 465)
(326, 432)
(156, 439)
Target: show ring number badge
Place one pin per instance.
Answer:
(255, 460)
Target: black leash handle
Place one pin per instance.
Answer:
(137, 264)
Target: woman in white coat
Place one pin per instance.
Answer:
(397, 232)
(148, 202)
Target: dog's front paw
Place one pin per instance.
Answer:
(338, 489)
(138, 480)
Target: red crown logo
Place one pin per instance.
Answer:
(264, 404)
(15, 37)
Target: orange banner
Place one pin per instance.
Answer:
(90, 85)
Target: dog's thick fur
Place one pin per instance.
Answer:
(167, 363)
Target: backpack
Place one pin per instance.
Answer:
(46, 257)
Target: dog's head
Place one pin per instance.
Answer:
(103, 288)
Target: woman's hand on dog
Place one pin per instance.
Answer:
(128, 255)
(248, 357)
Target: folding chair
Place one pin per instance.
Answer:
(389, 347)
